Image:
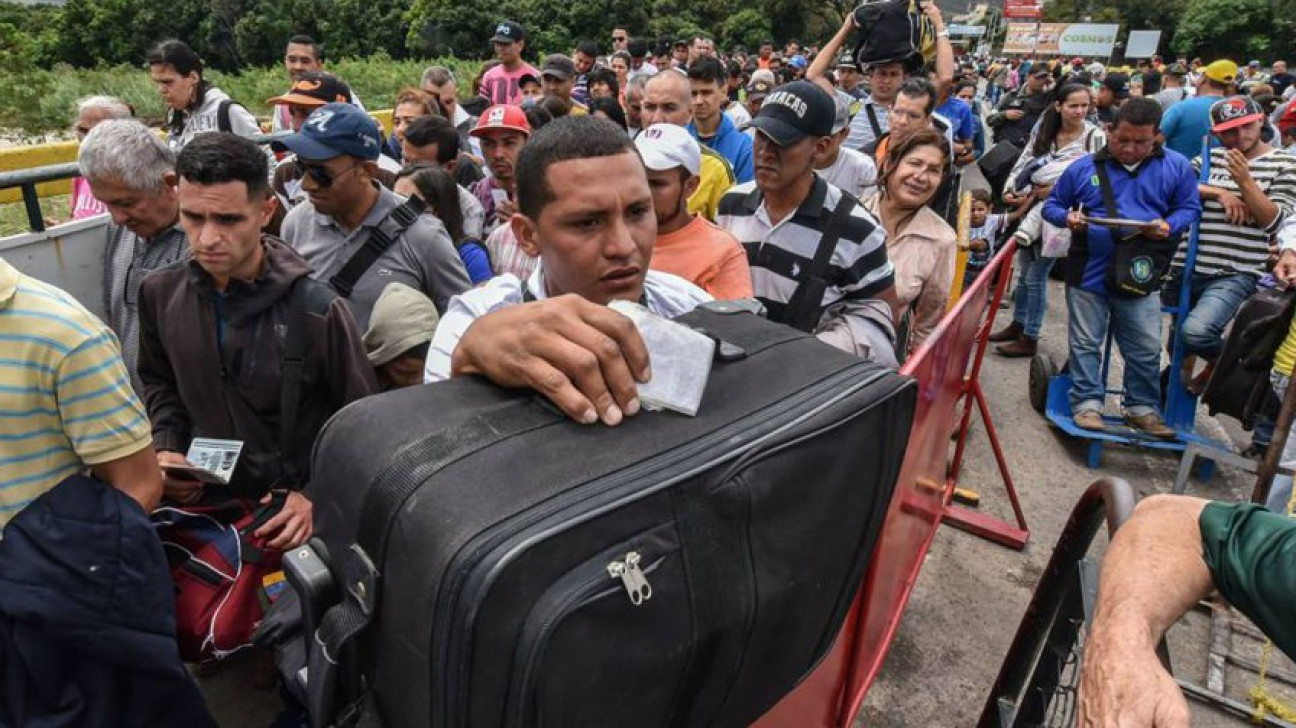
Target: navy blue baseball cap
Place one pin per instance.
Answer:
(334, 130)
(795, 111)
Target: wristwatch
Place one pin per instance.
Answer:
(943, 33)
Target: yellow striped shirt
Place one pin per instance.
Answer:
(65, 398)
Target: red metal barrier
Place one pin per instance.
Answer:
(946, 368)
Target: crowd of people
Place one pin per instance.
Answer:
(485, 234)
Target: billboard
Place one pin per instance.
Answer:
(1067, 39)
(1022, 9)
(1142, 43)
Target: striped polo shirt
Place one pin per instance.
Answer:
(780, 254)
(65, 398)
(1224, 248)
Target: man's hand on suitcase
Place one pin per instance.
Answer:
(584, 357)
(292, 526)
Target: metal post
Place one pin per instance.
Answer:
(1282, 427)
(35, 220)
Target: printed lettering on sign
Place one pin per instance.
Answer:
(783, 98)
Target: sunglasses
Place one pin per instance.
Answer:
(319, 174)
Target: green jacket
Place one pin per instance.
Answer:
(1251, 554)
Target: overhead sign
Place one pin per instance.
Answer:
(966, 30)
(1067, 39)
(1023, 9)
(1142, 43)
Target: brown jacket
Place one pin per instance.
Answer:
(210, 364)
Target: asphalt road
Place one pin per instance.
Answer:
(971, 594)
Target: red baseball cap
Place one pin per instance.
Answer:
(1233, 112)
(502, 118)
(1287, 121)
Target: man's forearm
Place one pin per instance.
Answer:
(1153, 571)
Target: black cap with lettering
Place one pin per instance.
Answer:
(508, 32)
(795, 111)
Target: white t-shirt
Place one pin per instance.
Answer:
(738, 114)
(664, 294)
(853, 172)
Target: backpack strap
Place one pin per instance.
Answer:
(803, 309)
(380, 239)
(873, 120)
(1104, 184)
(223, 115)
(306, 297)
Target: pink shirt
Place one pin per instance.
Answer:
(84, 203)
(500, 85)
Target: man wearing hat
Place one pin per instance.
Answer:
(1019, 111)
(502, 84)
(558, 74)
(1250, 194)
(1188, 122)
(848, 76)
(399, 333)
(781, 218)
(309, 92)
(688, 245)
(1173, 88)
(757, 90)
(337, 150)
(1287, 128)
(1115, 88)
(502, 131)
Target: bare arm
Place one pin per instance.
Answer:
(137, 475)
(944, 49)
(828, 56)
(1152, 574)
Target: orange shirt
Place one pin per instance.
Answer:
(707, 256)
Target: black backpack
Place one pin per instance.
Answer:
(1239, 385)
(893, 31)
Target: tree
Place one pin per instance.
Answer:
(1239, 29)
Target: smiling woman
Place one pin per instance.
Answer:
(920, 245)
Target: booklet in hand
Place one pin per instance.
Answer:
(679, 356)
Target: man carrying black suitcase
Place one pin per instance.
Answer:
(593, 234)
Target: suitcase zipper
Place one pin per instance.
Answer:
(627, 571)
(535, 633)
(447, 641)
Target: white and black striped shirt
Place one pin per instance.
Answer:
(780, 254)
(1224, 248)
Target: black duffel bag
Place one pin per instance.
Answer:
(503, 565)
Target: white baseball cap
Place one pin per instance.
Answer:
(667, 146)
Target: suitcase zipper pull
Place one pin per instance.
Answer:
(636, 583)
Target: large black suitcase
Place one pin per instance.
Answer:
(502, 565)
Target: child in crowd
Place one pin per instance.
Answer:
(985, 231)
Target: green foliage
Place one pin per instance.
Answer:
(747, 28)
(43, 101)
(1238, 29)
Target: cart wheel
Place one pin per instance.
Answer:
(1042, 369)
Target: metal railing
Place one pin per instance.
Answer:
(27, 179)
